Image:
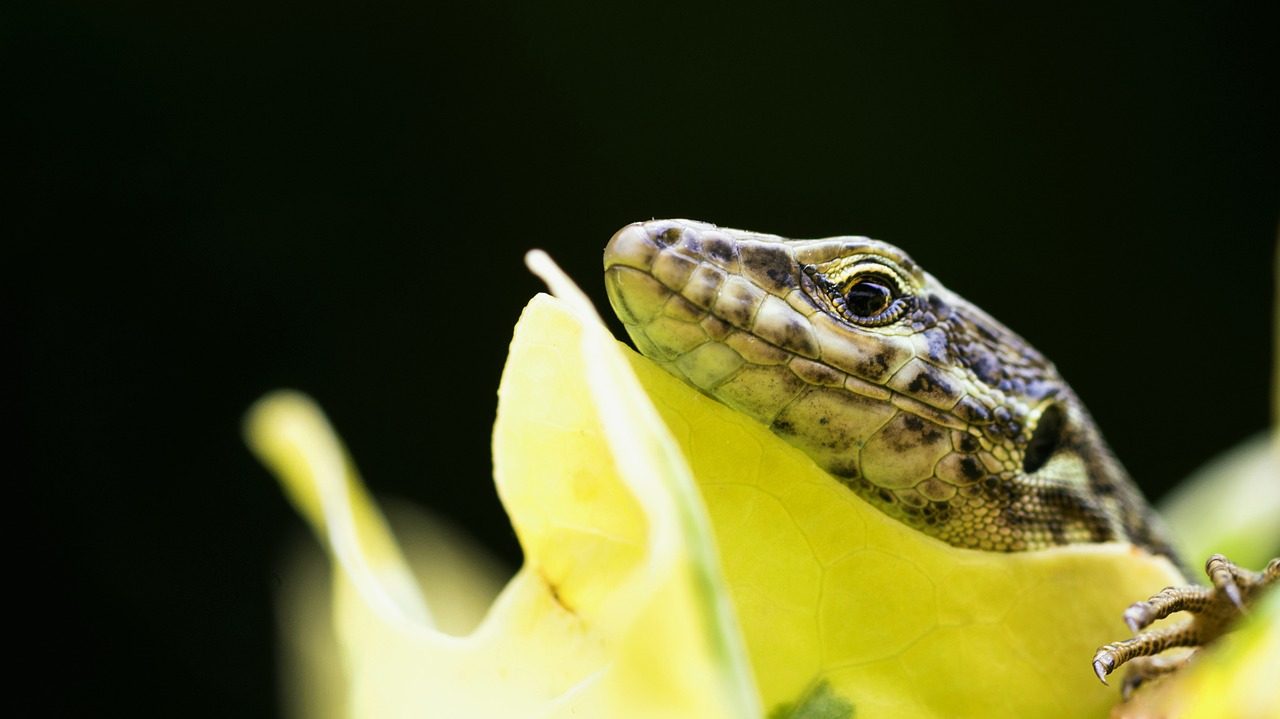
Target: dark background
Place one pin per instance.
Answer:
(214, 202)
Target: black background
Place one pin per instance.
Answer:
(216, 200)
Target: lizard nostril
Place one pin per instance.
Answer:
(668, 236)
(1044, 440)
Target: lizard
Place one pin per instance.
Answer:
(916, 400)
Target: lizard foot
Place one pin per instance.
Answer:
(1212, 610)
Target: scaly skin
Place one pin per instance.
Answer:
(916, 400)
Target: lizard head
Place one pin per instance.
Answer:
(912, 397)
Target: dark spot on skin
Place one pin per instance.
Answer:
(886, 496)
(995, 432)
(876, 368)
(984, 331)
(915, 431)
(771, 267)
(715, 327)
(720, 248)
(739, 310)
(936, 349)
(1004, 494)
(822, 421)
(971, 411)
(784, 428)
(836, 441)
(972, 469)
(826, 375)
(985, 365)
(969, 443)
(846, 470)
(793, 338)
(1101, 489)
(922, 384)
(901, 442)
(937, 512)
(929, 382)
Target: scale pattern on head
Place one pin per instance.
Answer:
(916, 400)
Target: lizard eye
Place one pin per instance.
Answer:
(871, 299)
(868, 298)
(864, 290)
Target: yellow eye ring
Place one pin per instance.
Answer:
(868, 295)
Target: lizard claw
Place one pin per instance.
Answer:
(1138, 616)
(1212, 610)
(1102, 666)
(1222, 573)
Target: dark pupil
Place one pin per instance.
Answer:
(868, 298)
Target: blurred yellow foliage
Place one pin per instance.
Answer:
(680, 561)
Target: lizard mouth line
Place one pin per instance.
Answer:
(1047, 422)
(615, 273)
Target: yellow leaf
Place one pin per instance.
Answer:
(620, 609)
(834, 596)
(635, 600)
